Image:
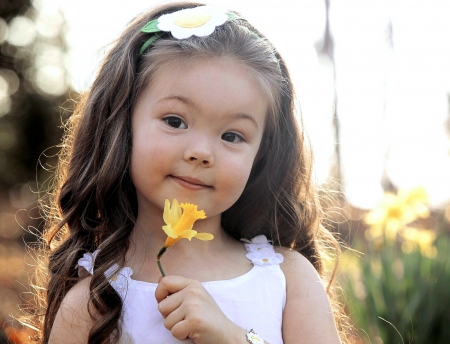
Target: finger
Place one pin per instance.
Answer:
(174, 318)
(181, 330)
(170, 285)
(169, 304)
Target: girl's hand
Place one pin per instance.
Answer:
(190, 312)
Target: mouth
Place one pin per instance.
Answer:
(190, 183)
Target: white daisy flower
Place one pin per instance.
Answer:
(265, 257)
(199, 21)
(260, 239)
(261, 252)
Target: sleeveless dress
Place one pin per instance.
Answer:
(255, 300)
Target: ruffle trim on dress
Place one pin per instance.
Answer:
(87, 262)
(119, 279)
(261, 252)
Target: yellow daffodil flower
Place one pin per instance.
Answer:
(179, 225)
(390, 219)
(397, 210)
(422, 238)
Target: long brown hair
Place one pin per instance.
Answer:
(94, 207)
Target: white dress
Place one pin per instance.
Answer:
(255, 300)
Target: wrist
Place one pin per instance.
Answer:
(240, 336)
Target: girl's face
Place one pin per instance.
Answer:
(196, 132)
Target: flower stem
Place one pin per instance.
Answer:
(158, 257)
(161, 268)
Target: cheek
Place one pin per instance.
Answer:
(147, 157)
(235, 176)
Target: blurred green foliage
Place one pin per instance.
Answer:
(398, 289)
(401, 295)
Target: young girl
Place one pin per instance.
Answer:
(192, 104)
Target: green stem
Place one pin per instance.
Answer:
(158, 257)
(161, 268)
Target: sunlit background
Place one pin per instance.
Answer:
(384, 71)
(380, 67)
(372, 79)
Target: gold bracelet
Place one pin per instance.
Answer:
(253, 338)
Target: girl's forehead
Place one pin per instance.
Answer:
(220, 80)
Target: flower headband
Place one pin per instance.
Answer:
(198, 21)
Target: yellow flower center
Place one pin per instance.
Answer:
(189, 216)
(395, 212)
(265, 260)
(192, 19)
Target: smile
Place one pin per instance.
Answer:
(190, 183)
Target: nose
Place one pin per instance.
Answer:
(199, 153)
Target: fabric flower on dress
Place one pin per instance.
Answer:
(259, 239)
(265, 257)
(257, 243)
(199, 21)
(87, 262)
(119, 279)
(261, 252)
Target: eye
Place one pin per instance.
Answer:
(232, 137)
(175, 122)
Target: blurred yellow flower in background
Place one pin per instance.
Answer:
(388, 221)
(422, 238)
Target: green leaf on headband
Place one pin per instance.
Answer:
(148, 43)
(151, 26)
(232, 16)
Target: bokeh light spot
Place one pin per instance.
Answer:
(51, 80)
(3, 30)
(21, 31)
(11, 79)
(5, 107)
(49, 25)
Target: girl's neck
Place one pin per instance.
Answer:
(148, 237)
(194, 259)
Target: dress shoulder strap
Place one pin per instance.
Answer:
(261, 252)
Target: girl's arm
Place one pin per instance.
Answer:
(73, 322)
(307, 317)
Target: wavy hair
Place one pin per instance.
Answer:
(93, 205)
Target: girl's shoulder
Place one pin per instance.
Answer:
(308, 303)
(73, 321)
(295, 263)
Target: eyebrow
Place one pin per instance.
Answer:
(189, 102)
(182, 99)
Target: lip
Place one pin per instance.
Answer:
(190, 183)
